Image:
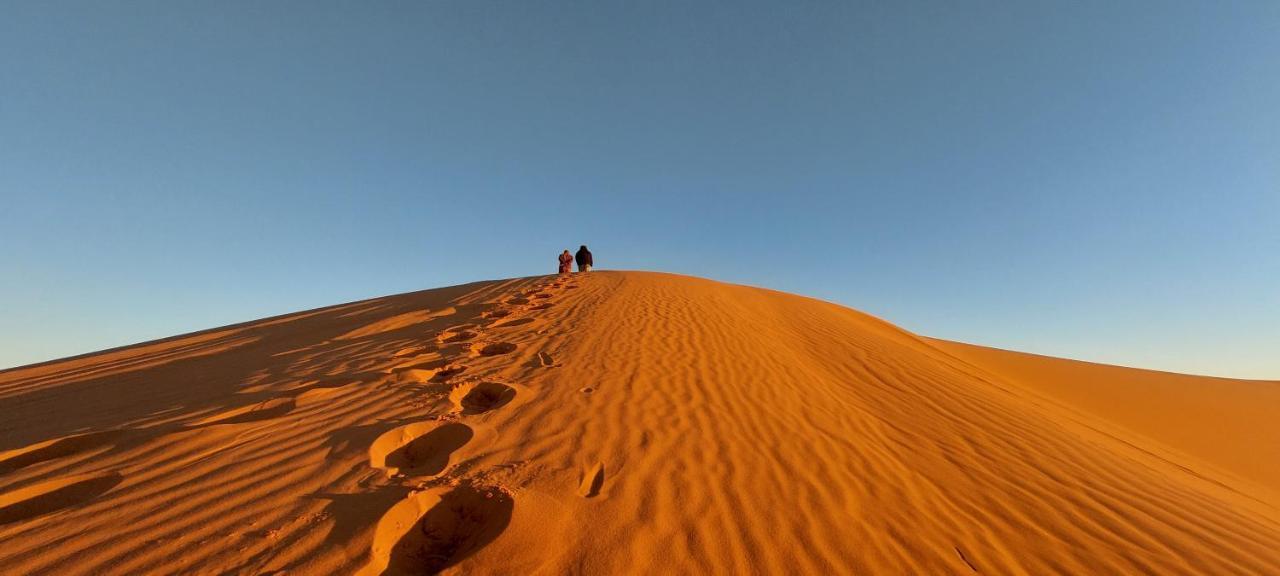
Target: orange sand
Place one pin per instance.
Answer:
(617, 423)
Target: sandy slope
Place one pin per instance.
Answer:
(1232, 426)
(623, 423)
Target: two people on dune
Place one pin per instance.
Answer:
(583, 258)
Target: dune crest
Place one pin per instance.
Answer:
(611, 423)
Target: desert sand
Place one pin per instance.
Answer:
(624, 423)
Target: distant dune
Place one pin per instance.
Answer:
(624, 423)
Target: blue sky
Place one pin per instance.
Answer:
(1096, 180)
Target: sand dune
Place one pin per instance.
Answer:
(618, 423)
(1230, 425)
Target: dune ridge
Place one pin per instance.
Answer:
(620, 422)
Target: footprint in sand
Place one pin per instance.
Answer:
(433, 371)
(53, 495)
(432, 531)
(542, 360)
(543, 306)
(415, 350)
(493, 349)
(592, 480)
(516, 322)
(418, 449)
(266, 410)
(481, 398)
(543, 296)
(459, 336)
(59, 448)
(448, 373)
(499, 313)
(518, 301)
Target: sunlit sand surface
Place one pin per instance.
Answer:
(624, 423)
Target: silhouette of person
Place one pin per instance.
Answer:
(566, 262)
(584, 259)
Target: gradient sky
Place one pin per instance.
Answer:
(1096, 180)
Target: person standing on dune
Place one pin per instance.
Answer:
(584, 259)
(566, 262)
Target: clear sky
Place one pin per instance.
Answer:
(1096, 180)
